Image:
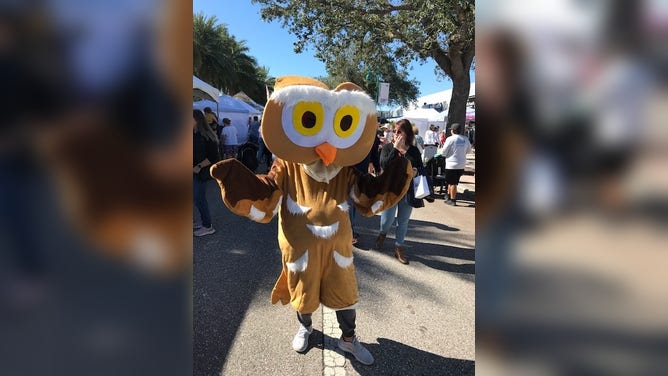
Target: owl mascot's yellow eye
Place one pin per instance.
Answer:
(346, 120)
(308, 117)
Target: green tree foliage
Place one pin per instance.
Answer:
(351, 64)
(224, 62)
(382, 31)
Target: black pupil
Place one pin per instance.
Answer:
(308, 119)
(346, 122)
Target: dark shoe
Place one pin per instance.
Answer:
(399, 254)
(451, 202)
(379, 241)
(429, 199)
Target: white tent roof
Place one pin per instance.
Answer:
(438, 97)
(425, 113)
(245, 98)
(225, 104)
(202, 90)
(251, 110)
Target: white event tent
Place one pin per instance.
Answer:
(228, 107)
(202, 90)
(423, 117)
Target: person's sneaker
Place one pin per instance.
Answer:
(451, 202)
(204, 231)
(359, 352)
(300, 342)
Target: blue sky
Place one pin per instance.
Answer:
(272, 46)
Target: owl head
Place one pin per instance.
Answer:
(304, 121)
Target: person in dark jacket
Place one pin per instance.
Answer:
(401, 147)
(205, 153)
(370, 165)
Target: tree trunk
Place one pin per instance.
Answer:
(461, 84)
(456, 63)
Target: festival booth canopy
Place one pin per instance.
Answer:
(423, 117)
(245, 98)
(202, 90)
(231, 108)
(251, 110)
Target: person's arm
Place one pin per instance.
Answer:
(387, 154)
(212, 156)
(393, 151)
(447, 148)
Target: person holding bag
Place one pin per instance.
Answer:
(400, 147)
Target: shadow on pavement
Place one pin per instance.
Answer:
(229, 267)
(394, 358)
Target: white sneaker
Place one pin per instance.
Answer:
(204, 231)
(359, 352)
(300, 342)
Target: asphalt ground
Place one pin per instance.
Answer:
(416, 319)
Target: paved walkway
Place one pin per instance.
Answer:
(415, 319)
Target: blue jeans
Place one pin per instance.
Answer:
(403, 213)
(199, 196)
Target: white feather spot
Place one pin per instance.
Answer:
(344, 207)
(255, 214)
(376, 206)
(342, 261)
(299, 265)
(353, 196)
(324, 232)
(295, 208)
(278, 206)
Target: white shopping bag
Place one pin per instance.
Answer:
(421, 186)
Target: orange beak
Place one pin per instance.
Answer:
(326, 152)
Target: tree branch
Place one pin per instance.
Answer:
(387, 9)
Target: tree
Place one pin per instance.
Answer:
(223, 61)
(211, 46)
(442, 30)
(348, 64)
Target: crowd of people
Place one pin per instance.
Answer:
(400, 139)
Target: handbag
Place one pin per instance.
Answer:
(411, 200)
(421, 186)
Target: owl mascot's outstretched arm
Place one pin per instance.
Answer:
(244, 193)
(371, 194)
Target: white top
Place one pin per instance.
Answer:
(388, 136)
(430, 138)
(455, 149)
(230, 133)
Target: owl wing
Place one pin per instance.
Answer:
(244, 193)
(372, 194)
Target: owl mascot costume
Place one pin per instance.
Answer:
(317, 135)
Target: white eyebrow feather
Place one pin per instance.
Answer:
(334, 99)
